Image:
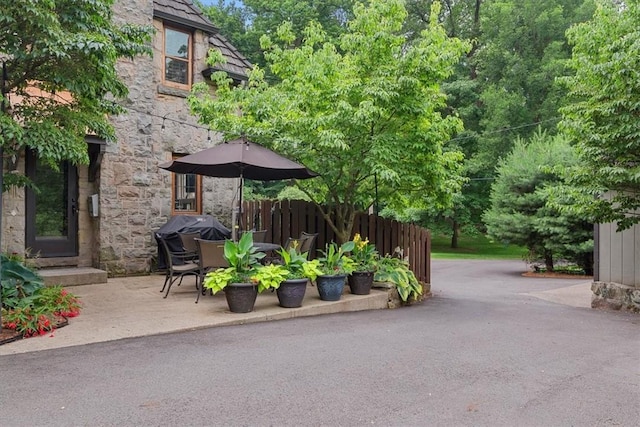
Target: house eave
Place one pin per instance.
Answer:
(206, 73)
(210, 29)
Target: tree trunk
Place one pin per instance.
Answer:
(455, 234)
(548, 261)
(586, 263)
(342, 225)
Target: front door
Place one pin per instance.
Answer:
(52, 210)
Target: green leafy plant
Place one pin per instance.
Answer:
(17, 281)
(29, 307)
(243, 259)
(363, 254)
(269, 276)
(335, 259)
(28, 320)
(57, 300)
(298, 264)
(396, 271)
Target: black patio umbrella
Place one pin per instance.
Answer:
(239, 158)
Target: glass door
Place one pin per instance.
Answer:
(52, 209)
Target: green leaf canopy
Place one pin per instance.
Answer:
(603, 116)
(362, 111)
(60, 82)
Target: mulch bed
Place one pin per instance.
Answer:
(10, 335)
(554, 275)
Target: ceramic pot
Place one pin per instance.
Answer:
(291, 292)
(241, 297)
(330, 287)
(360, 282)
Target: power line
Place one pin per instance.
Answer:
(505, 129)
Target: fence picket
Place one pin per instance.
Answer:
(286, 219)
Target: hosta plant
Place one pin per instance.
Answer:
(396, 271)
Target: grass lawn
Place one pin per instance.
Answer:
(476, 247)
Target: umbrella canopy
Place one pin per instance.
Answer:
(239, 159)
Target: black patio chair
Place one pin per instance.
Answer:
(189, 244)
(179, 264)
(307, 243)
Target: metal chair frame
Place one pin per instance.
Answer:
(179, 264)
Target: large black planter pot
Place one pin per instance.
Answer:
(360, 282)
(241, 297)
(291, 292)
(330, 287)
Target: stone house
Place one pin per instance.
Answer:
(103, 215)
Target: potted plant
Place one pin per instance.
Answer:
(300, 270)
(269, 276)
(396, 271)
(364, 256)
(335, 265)
(239, 289)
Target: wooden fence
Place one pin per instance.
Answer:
(284, 219)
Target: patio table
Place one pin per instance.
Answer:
(266, 247)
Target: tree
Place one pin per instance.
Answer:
(523, 49)
(361, 113)
(504, 86)
(602, 119)
(60, 80)
(245, 22)
(519, 213)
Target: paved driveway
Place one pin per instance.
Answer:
(486, 350)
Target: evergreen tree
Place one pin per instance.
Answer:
(519, 212)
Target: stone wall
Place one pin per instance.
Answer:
(135, 195)
(614, 296)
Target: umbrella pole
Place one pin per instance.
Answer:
(240, 205)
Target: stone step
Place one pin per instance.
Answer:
(73, 276)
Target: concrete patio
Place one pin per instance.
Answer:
(134, 307)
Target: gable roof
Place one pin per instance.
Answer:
(184, 12)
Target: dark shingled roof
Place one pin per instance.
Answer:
(236, 65)
(184, 12)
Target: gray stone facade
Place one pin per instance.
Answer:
(135, 196)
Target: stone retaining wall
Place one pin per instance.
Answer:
(615, 296)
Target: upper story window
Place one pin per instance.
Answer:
(177, 57)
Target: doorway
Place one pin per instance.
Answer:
(52, 210)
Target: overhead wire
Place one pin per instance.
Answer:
(505, 129)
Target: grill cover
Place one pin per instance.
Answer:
(208, 227)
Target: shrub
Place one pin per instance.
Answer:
(29, 307)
